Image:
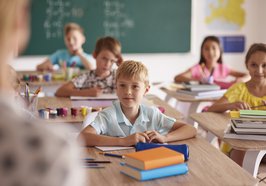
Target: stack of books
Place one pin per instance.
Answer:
(251, 125)
(154, 163)
(202, 91)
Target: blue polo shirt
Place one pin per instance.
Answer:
(64, 55)
(112, 121)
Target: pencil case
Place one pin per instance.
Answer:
(182, 148)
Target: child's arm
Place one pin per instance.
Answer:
(86, 63)
(46, 65)
(179, 131)
(240, 76)
(223, 105)
(183, 77)
(69, 89)
(93, 139)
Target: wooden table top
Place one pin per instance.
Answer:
(207, 166)
(216, 123)
(59, 102)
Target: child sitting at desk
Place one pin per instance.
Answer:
(74, 55)
(102, 79)
(127, 121)
(210, 68)
(249, 95)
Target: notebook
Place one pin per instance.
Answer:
(182, 148)
(144, 175)
(154, 158)
(112, 148)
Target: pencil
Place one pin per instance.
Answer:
(112, 155)
(97, 161)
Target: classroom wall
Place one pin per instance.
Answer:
(163, 67)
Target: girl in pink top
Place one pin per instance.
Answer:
(210, 68)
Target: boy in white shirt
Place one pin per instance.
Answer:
(127, 121)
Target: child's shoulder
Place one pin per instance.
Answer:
(149, 109)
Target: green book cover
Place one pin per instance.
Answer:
(253, 112)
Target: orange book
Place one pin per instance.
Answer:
(154, 158)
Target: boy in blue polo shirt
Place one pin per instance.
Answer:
(72, 56)
(127, 121)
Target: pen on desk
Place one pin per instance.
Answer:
(112, 155)
(87, 159)
(97, 161)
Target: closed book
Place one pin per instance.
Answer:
(231, 134)
(154, 158)
(203, 93)
(253, 113)
(248, 130)
(249, 123)
(162, 172)
(202, 87)
(182, 148)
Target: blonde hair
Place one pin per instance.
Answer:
(134, 70)
(72, 26)
(108, 43)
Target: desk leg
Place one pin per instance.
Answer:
(252, 161)
(192, 109)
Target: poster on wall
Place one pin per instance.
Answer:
(227, 16)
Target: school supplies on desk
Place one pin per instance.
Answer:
(231, 134)
(101, 97)
(144, 175)
(112, 155)
(253, 113)
(201, 87)
(182, 148)
(112, 148)
(203, 94)
(154, 158)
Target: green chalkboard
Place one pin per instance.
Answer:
(142, 26)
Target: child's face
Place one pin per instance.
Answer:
(211, 51)
(130, 91)
(105, 60)
(74, 41)
(257, 66)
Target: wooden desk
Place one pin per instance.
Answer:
(194, 103)
(207, 166)
(215, 124)
(49, 88)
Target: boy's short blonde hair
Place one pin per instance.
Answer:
(72, 26)
(108, 43)
(134, 70)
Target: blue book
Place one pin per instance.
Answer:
(143, 175)
(182, 148)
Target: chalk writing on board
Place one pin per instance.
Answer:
(57, 12)
(116, 22)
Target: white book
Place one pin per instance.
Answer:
(249, 123)
(203, 93)
(112, 148)
(230, 134)
(202, 87)
(248, 130)
(101, 97)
